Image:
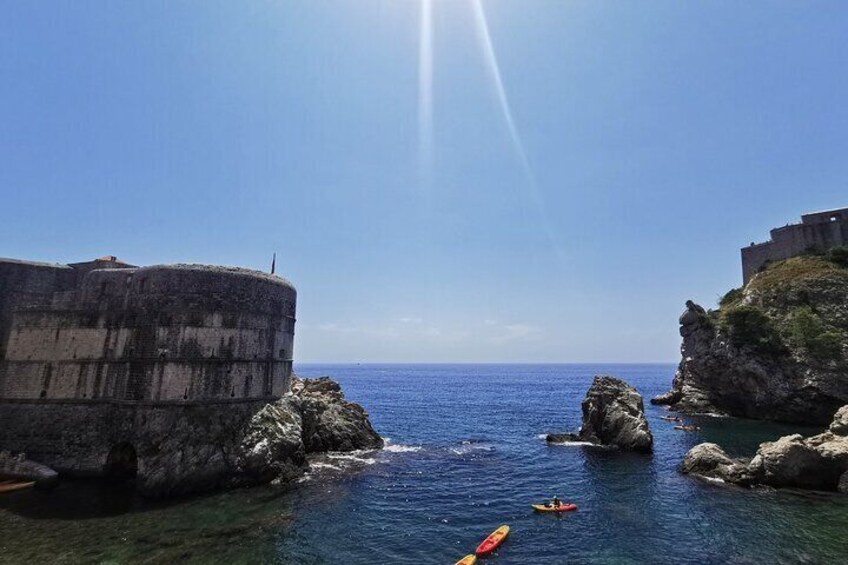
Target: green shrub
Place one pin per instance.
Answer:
(749, 327)
(808, 332)
(838, 255)
(731, 297)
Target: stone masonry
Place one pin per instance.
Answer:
(101, 361)
(817, 232)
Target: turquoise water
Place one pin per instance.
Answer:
(465, 455)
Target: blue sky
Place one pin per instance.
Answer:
(659, 138)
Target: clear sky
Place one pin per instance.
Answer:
(648, 142)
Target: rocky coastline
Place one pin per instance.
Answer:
(776, 349)
(246, 446)
(314, 417)
(613, 416)
(819, 462)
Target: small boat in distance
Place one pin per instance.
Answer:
(492, 542)
(569, 507)
(671, 418)
(688, 428)
(9, 486)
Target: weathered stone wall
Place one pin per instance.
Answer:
(27, 283)
(182, 332)
(162, 368)
(819, 231)
(77, 437)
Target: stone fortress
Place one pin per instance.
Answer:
(102, 363)
(817, 231)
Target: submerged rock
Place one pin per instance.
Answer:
(613, 415)
(777, 349)
(819, 462)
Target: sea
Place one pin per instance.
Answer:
(465, 453)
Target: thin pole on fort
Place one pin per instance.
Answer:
(274, 263)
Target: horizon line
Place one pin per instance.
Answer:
(486, 362)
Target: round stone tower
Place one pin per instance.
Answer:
(107, 368)
(162, 333)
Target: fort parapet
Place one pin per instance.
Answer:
(100, 360)
(817, 232)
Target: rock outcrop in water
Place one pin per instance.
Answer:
(329, 422)
(272, 445)
(613, 415)
(776, 349)
(819, 462)
(18, 467)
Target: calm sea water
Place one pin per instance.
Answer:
(465, 455)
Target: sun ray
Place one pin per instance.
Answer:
(492, 66)
(425, 92)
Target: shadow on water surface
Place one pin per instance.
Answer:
(85, 499)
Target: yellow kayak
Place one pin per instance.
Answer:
(467, 560)
(561, 508)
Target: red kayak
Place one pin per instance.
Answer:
(494, 541)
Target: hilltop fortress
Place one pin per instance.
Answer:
(818, 231)
(108, 368)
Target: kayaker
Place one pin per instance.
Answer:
(556, 502)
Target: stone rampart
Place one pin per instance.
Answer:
(107, 368)
(183, 332)
(817, 232)
(85, 439)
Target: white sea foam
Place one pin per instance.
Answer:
(400, 448)
(468, 447)
(320, 465)
(574, 443)
(711, 414)
(353, 457)
(390, 447)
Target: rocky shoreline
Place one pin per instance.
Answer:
(250, 446)
(819, 462)
(314, 417)
(776, 349)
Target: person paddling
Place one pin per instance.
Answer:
(556, 502)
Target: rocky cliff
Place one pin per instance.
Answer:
(776, 349)
(819, 462)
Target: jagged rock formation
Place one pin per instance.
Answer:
(18, 467)
(819, 462)
(776, 349)
(329, 422)
(271, 445)
(613, 415)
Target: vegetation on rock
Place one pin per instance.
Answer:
(776, 348)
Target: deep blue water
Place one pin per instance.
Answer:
(465, 455)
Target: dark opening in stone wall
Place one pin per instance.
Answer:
(121, 463)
